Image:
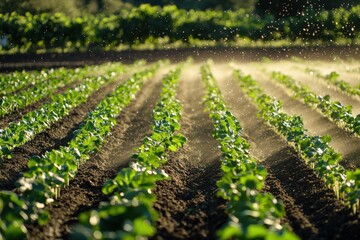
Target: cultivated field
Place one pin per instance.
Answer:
(189, 150)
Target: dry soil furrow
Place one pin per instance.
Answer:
(188, 206)
(84, 192)
(342, 68)
(317, 85)
(342, 141)
(58, 135)
(312, 210)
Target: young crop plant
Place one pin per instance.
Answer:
(48, 173)
(334, 111)
(253, 214)
(12, 102)
(17, 81)
(35, 122)
(129, 213)
(333, 78)
(315, 150)
(42, 84)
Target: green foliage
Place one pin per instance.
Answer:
(13, 215)
(35, 122)
(335, 111)
(315, 150)
(326, 26)
(129, 213)
(46, 84)
(15, 81)
(118, 219)
(68, 7)
(333, 79)
(49, 173)
(149, 24)
(79, 7)
(284, 8)
(252, 214)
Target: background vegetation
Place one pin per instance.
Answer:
(30, 25)
(79, 7)
(279, 8)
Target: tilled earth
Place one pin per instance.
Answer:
(187, 204)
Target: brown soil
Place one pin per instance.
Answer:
(58, 135)
(314, 121)
(312, 210)
(84, 192)
(318, 85)
(187, 203)
(344, 68)
(19, 113)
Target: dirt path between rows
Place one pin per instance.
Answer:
(58, 135)
(342, 141)
(345, 69)
(84, 192)
(317, 85)
(312, 210)
(187, 203)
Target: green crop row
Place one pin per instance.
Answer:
(335, 111)
(253, 214)
(15, 81)
(129, 213)
(19, 80)
(47, 174)
(315, 150)
(12, 102)
(333, 78)
(354, 70)
(35, 122)
(148, 23)
(43, 85)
